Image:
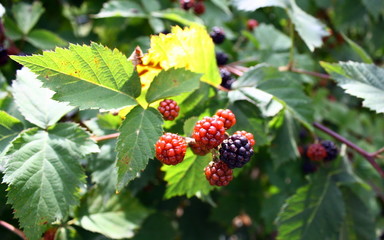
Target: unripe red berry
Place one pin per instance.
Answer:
(316, 152)
(209, 132)
(187, 4)
(227, 117)
(169, 109)
(171, 148)
(252, 24)
(199, 8)
(218, 173)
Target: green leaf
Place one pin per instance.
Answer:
(87, 76)
(187, 178)
(10, 127)
(103, 169)
(284, 145)
(136, 144)
(45, 39)
(374, 7)
(309, 28)
(248, 118)
(178, 15)
(117, 218)
(172, 83)
(120, 8)
(27, 15)
(315, 212)
(361, 80)
(269, 38)
(35, 102)
(359, 50)
(67, 233)
(11, 29)
(359, 222)
(292, 97)
(44, 174)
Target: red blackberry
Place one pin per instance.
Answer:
(199, 149)
(187, 4)
(252, 24)
(227, 117)
(221, 58)
(171, 148)
(169, 109)
(217, 34)
(199, 8)
(209, 132)
(236, 151)
(226, 78)
(248, 135)
(316, 152)
(331, 149)
(218, 173)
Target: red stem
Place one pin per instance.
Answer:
(369, 156)
(314, 74)
(13, 229)
(106, 137)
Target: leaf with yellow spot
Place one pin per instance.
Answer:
(191, 48)
(87, 76)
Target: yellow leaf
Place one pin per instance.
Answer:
(191, 48)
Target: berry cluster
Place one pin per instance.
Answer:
(208, 136)
(198, 6)
(323, 151)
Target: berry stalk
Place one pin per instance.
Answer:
(13, 229)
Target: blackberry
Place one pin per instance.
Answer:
(227, 117)
(171, 148)
(309, 167)
(3, 56)
(236, 151)
(316, 152)
(199, 8)
(217, 34)
(187, 4)
(226, 78)
(221, 58)
(169, 109)
(218, 173)
(248, 135)
(209, 132)
(331, 149)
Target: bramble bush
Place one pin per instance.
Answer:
(191, 119)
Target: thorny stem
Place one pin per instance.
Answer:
(13, 229)
(369, 156)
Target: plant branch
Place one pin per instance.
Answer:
(13, 229)
(105, 137)
(369, 156)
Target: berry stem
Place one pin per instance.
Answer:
(13, 229)
(105, 137)
(369, 156)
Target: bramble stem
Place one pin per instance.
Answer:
(13, 229)
(314, 74)
(106, 137)
(369, 156)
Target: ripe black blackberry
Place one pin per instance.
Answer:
(3, 56)
(226, 78)
(221, 58)
(331, 149)
(236, 151)
(217, 34)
